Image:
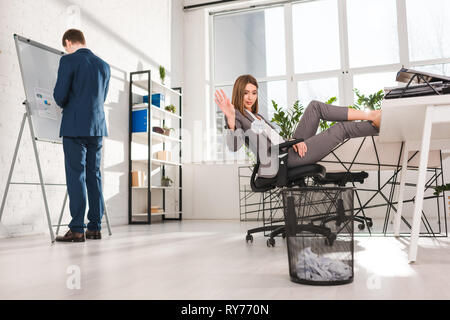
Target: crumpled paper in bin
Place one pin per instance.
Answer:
(312, 267)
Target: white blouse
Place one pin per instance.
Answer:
(268, 131)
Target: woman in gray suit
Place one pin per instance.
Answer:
(242, 115)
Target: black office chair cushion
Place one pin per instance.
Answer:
(294, 174)
(309, 170)
(342, 178)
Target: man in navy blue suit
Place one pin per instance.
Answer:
(81, 89)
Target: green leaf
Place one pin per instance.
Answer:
(287, 118)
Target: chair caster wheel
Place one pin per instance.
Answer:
(248, 238)
(370, 224)
(330, 239)
(361, 226)
(283, 235)
(271, 242)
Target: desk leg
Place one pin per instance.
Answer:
(398, 215)
(420, 186)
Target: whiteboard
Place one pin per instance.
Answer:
(39, 68)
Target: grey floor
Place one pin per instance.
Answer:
(208, 260)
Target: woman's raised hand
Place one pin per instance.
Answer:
(224, 104)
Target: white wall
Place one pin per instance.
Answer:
(129, 35)
(210, 191)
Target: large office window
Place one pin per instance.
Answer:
(333, 47)
(443, 68)
(319, 89)
(249, 43)
(372, 32)
(253, 41)
(368, 83)
(316, 36)
(428, 29)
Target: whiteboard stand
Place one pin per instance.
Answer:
(27, 116)
(41, 179)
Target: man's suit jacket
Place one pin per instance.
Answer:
(81, 89)
(256, 142)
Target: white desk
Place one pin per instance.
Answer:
(423, 123)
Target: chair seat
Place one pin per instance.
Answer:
(294, 174)
(309, 170)
(342, 178)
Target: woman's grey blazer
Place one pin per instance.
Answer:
(258, 143)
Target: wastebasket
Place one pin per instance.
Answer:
(319, 232)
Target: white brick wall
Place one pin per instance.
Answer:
(129, 35)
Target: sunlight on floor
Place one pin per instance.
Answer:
(384, 257)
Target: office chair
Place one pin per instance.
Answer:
(298, 177)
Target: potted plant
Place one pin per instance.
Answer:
(439, 189)
(162, 73)
(166, 130)
(166, 181)
(171, 108)
(287, 120)
(373, 101)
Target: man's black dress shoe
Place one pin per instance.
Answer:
(93, 234)
(71, 236)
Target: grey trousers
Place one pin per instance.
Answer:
(320, 145)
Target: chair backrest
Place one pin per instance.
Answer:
(259, 184)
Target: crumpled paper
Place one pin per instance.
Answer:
(312, 267)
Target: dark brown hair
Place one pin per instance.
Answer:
(238, 93)
(74, 36)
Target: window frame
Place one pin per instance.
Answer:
(344, 75)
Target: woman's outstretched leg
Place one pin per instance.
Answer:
(320, 145)
(316, 111)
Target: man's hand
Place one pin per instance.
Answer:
(300, 148)
(227, 108)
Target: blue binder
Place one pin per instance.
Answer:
(139, 121)
(157, 99)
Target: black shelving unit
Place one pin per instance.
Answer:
(148, 86)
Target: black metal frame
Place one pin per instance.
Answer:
(130, 134)
(400, 92)
(390, 203)
(207, 4)
(130, 137)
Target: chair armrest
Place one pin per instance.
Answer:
(289, 143)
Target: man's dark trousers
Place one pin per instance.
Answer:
(82, 161)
